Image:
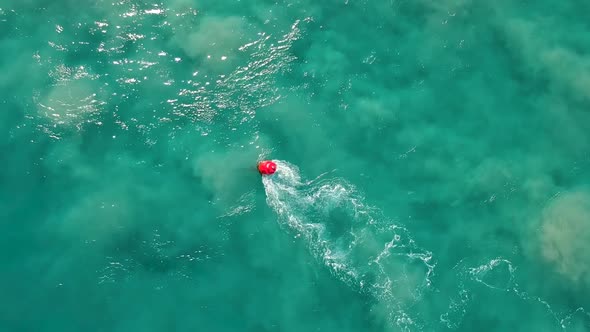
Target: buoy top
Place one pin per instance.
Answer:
(267, 167)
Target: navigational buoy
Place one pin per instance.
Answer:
(267, 167)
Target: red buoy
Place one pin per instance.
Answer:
(267, 167)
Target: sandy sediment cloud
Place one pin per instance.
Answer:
(74, 99)
(564, 235)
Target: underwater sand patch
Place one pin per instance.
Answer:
(75, 97)
(565, 232)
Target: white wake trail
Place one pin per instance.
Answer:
(354, 241)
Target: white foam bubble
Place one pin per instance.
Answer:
(497, 268)
(360, 247)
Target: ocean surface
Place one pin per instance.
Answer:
(434, 165)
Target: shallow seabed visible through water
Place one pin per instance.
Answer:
(434, 165)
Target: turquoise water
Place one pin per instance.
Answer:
(434, 165)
